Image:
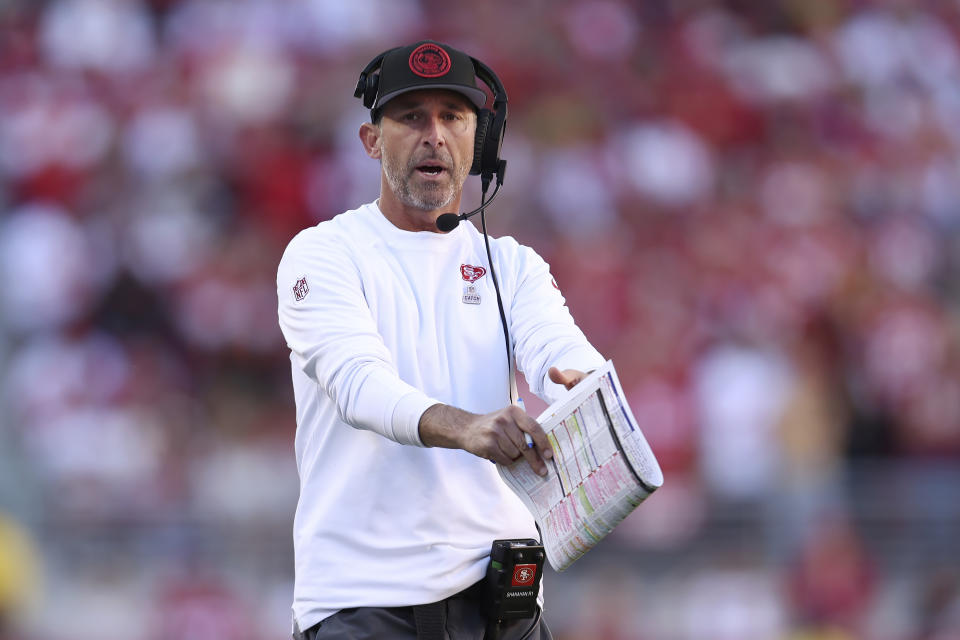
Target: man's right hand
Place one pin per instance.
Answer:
(497, 436)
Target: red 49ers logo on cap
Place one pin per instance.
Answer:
(471, 273)
(523, 575)
(429, 61)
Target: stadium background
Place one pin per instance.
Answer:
(752, 207)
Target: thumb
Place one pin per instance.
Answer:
(568, 377)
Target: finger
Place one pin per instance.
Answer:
(557, 376)
(536, 462)
(539, 454)
(488, 446)
(498, 455)
(516, 424)
(509, 446)
(568, 377)
(540, 440)
(515, 441)
(528, 425)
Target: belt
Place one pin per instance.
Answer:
(430, 619)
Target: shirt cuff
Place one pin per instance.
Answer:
(406, 417)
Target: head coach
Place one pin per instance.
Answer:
(405, 328)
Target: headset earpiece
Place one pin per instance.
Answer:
(484, 116)
(370, 91)
(491, 126)
(369, 81)
(489, 144)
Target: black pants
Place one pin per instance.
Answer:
(462, 621)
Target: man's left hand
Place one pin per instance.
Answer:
(568, 377)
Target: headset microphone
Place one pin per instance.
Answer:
(449, 221)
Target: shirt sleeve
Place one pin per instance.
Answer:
(333, 338)
(543, 330)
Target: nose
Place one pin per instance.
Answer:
(433, 135)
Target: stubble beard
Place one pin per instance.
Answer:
(427, 196)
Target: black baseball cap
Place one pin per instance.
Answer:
(427, 65)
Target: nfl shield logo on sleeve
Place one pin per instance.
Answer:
(300, 290)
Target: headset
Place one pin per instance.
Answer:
(491, 124)
(488, 141)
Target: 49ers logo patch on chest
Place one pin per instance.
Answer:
(470, 275)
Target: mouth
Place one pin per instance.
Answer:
(431, 169)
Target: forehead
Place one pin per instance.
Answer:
(421, 98)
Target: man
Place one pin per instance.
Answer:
(401, 380)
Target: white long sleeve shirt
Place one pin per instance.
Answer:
(383, 323)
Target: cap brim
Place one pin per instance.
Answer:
(476, 96)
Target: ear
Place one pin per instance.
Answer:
(370, 138)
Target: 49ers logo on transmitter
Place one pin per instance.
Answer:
(523, 575)
(471, 273)
(429, 61)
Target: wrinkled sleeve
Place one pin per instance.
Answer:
(333, 338)
(543, 330)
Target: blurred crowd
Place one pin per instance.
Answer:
(753, 208)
